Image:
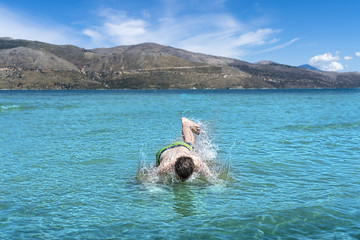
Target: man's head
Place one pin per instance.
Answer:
(184, 168)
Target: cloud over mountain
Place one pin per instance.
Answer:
(212, 33)
(327, 62)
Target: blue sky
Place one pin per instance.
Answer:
(323, 33)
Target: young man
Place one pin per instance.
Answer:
(178, 156)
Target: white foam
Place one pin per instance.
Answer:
(9, 107)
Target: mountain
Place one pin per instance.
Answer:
(307, 66)
(38, 65)
(266, 62)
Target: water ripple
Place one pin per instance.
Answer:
(286, 164)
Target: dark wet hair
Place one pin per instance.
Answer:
(184, 167)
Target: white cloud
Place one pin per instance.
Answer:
(333, 66)
(117, 27)
(348, 57)
(225, 43)
(217, 34)
(327, 62)
(126, 31)
(326, 57)
(279, 46)
(357, 54)
(20, 27)
(258, 37)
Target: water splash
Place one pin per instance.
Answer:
(205, 144)
(205, 147)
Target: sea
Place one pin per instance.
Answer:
(81, 164)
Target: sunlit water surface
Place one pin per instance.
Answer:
(79, 165)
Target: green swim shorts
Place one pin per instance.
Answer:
(173, 145)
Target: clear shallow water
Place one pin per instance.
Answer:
(69, 162)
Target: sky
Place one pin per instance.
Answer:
(322, 33)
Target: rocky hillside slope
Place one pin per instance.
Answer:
(37, 65)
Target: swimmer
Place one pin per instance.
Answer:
(179, 157)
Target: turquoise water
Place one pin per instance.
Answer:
(77, 165)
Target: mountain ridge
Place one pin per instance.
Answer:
(308, 66)
(37, 65)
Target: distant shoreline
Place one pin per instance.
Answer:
(182, 90)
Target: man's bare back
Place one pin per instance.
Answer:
(168, 157)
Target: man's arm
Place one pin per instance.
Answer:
(188, 130)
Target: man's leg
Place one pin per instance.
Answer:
(188, 128)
